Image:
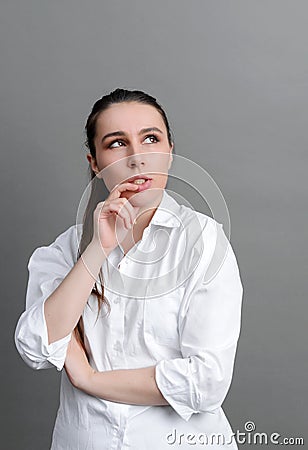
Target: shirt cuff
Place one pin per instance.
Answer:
(56, 351)
(32, 341)
(174, 380)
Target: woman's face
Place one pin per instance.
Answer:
(138, 145)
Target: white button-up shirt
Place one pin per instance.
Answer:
(175, 302)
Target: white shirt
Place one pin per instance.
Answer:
(175, 302)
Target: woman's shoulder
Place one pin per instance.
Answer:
(66, 244)
(209, 241)
(194, 220)
(70, 236)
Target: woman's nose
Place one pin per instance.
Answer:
(135, 157)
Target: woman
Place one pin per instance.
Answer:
(154, 371)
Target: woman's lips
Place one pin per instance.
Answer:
(139, 176)
(144, 186)
(141, 187)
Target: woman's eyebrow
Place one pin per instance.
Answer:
(122, 133)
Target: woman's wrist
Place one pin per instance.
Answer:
(96, 245)
(93, 257)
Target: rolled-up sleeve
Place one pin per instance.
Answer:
(209, 328)
(47, 267)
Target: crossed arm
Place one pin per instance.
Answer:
(130, 386)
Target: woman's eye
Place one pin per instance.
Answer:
(114, 142)
(151, 136)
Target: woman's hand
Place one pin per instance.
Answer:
(77, 365)
(113, 218)
(129, 386)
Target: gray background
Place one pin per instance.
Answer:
(232, 76)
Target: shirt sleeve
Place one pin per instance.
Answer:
(209, 328)
(47, 267)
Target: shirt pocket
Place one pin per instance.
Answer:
(160, 318)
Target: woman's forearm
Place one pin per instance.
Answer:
(65, 305)
(130, 386)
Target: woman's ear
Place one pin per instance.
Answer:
(92, 162)
(171, 156)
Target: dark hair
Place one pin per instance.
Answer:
(114, 97)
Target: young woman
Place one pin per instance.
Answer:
(155, 369)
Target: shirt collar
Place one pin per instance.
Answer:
(167, 213)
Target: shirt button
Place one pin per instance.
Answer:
(117, 300)
(117, 346)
